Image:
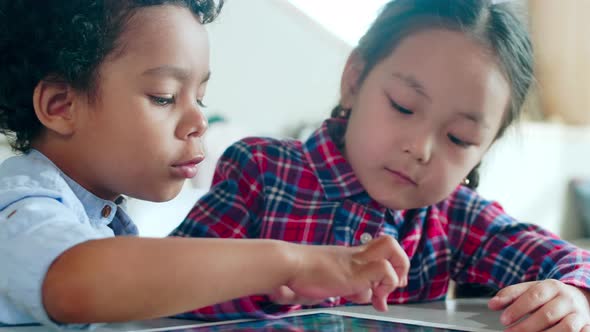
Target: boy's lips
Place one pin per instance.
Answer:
(193, 161)
(187, 169)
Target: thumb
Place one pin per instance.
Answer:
(508, 295)
(283, 295)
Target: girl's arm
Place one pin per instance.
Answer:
(125, 278)
(544, 281)
(491, 248)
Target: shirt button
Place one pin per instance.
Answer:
(106, 211)
(366, 238)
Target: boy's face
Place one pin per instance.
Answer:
(423, 117)
(142, 135)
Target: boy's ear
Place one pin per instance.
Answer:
(54, 106)
(350, 84)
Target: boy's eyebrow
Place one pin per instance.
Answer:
(413, 83)
(178, 73)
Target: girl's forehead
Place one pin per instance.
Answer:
(448, 68)
(427, 41)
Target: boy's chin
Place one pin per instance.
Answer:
(161, 194)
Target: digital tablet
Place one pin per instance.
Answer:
(329, 321)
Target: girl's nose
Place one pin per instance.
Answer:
(420, 147)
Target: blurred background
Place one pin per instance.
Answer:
(276, 67)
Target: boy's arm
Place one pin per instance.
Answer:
(58, 270)
(124, 278)
(183, 273)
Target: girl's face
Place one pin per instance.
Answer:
(423, 117)
(142, 134)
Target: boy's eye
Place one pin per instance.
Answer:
(200, 103)
(458, 142)
(399, 108)
(162, 101)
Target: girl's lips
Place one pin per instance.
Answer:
(402, 177)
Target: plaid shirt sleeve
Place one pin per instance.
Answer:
(229, 210)
(490, 248)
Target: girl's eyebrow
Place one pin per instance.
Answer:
(178, 73)
(413, 83)
(474, 117)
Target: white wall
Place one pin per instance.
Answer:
(272, 66)
(529, 170)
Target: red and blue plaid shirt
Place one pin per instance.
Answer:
(307, 193)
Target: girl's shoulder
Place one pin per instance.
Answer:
(267, 148)
(466, 201)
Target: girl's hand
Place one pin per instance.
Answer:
(548, 305)
(368, 273)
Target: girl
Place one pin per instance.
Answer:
(104, 98)
(429, 88)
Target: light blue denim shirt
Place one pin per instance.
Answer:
(42, 214)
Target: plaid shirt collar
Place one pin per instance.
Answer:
(335, 174)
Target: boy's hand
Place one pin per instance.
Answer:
(548, 305)
(368, 273)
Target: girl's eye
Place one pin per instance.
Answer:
(162, 101)
(200, 103)
(400, 109)
(458, 142)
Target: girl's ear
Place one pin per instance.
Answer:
(54, 106)
(350, 84)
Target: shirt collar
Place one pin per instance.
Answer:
(98, 210)
(334, 173)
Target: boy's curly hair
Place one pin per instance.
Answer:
(64, 40)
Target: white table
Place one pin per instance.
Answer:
(467, 314)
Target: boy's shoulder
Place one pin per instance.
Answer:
(30, 174)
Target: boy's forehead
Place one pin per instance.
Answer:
(164, 35)
(150, 28)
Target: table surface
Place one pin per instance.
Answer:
(464, 314)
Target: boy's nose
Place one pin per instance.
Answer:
(193, 124)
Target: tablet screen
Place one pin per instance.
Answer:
(316, 322)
